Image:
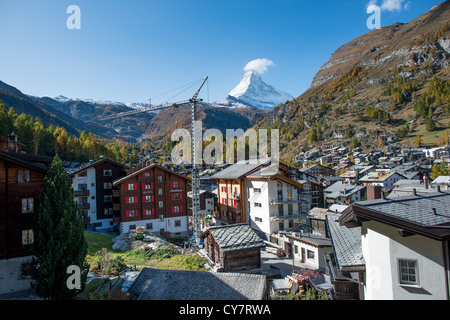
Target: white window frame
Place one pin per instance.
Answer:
(400, 273)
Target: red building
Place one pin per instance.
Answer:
(154, 198)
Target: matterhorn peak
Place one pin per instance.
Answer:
(252, 91)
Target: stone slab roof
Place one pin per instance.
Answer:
(346, 243)
(236, 237)
(159, 284)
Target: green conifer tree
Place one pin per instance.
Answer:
(59, 238)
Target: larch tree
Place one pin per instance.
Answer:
(59, 238)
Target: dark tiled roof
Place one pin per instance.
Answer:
(236, 237)
(430, 209)
(37, 163)
(157, 284)
(346, 243)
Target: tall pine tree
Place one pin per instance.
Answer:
(59, 237)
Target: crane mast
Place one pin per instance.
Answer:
(195, 156)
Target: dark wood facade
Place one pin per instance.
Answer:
(105, 174)
(21, 183)
(242, 253)
(153, 192)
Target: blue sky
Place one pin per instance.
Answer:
(133, 50)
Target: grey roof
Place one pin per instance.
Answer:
(311, 238)
(334, 191)
(346, 243)
(238, 169)
(236, 237)
(158, 284)
(441, 179)
(417, 209)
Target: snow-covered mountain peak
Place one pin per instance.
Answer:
(254, 92)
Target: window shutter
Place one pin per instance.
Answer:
(126, 186)
(171, 196)
(127, 213)
(173, 209)
(171, 184)
(151, 185)
(143, 186)
(153, 211)
(181, 208)
(151, 174)
(135, 199)
(126, 200)
(153, 198)
(181, 196)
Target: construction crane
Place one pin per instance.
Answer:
(195, 175)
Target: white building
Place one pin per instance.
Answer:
(404, 245)
(273, 202)
(92, 187)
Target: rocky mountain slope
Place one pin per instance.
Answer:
(389, 79)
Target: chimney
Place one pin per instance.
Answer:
(374, 192)
(434, 211)
(426, 181)
(12, 143)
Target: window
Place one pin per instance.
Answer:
(177, 223)
(130, 213)
(26, 270)
(82, 187)
(107, 173)
(147, 174)
(148, 186)
(290, 209)
(131, 186)
(160, 191)
(258, 219)
(108, 211)
(257, 190)
(161, 217)
(149, 212)
(175, 184)
(27, 205)
(107, 185)
(310, 254)
(83, 174)
(131, 199)
(176, 196)
(258, 205)
(108, 198)
(149, 226)
(132, 227)
(148, 198)
(24, 176)
(175, 209)
(295, 249)
(27, 237)
(408, 272)
(160, 178)
(161, 204)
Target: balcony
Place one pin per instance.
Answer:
(84, 206)
(81, 193)
(86, 220)
(116, 206)
(116, 193)
(277, 217)
(275, 202)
